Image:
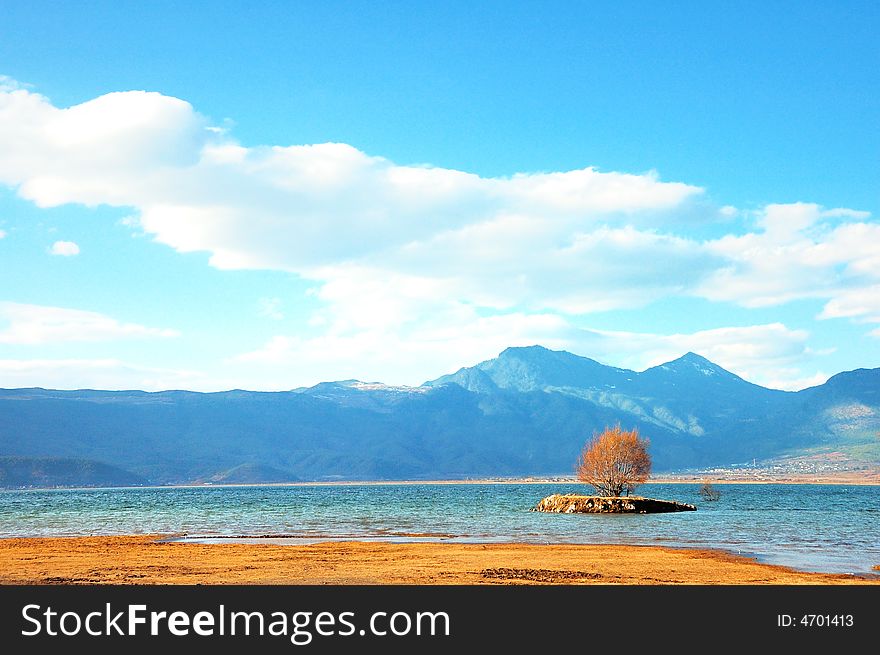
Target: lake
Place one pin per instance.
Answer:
(829, 528)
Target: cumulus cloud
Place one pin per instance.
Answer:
(307, 208)
(856, 302)
(574, 241)
(91, 153)
(2, 234)
(38, 324)
(799, 251)
(64, 248)
(403, 255)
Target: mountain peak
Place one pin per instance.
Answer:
(695, 359)
(534, 368)
(540, 355)
(519, 351)
(691, 362)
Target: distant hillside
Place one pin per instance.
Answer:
(526, 412)
(251, 474)
(842, 417)
(18, 472)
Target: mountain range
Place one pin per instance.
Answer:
(527, 412)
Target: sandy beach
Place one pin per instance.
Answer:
(150, 560)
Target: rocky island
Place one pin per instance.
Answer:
(578, 504)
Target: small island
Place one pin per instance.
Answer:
(614, 461)
(576, 503)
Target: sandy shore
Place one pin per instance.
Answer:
(870, 478)
(148, 560)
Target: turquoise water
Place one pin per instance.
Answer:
(829, 528)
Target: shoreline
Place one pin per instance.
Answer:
(154, 559)
(871, 481)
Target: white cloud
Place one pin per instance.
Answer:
(765, 354)
(91, 153)
(110, 374)
(292, 208)
(768, 354)
(517, 261)
(64, 249)
(856, 302)
(386, 354)
(403, 256)
(802, 252)
(843, 212)
(792, 379)
(38, 324)
(574, 241)
(2, 234)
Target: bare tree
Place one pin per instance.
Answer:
(709, 493)
(615, 461)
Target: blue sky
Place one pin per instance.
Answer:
(268, 195)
